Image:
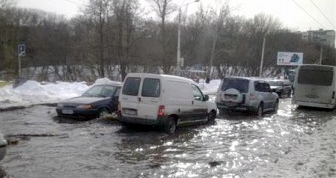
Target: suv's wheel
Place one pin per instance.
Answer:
(211, 116)
(289, 93)
(260, 110)
(170, 126)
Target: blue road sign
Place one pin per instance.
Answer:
(21, 50)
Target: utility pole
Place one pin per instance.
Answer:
(178, 57)
(262, 58)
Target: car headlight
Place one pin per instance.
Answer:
(60, 105)
(85, 106)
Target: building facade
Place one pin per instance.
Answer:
(324, 37)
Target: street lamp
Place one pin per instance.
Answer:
(178, 64)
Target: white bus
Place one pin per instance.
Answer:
(315, 86)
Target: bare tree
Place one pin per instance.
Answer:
(97, 13)
(163, 9)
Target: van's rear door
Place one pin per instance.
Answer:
(129, 99)
(149, 98)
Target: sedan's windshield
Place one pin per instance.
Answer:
(100, 91)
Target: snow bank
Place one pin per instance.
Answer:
(32, 92)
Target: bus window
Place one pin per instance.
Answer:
(315, 77)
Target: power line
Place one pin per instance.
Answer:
(323, 13)
(307, 13)
(76, 2)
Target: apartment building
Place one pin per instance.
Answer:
(324, 37)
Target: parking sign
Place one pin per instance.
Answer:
(21, 50)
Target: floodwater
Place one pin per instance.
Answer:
(292, 143)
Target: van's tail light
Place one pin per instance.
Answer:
(161, 111)
(333, 95)
(252, 97)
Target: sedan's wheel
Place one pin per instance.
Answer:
(276, 107)
(211, 116)
(260, 110)
(170, 126)
(103, 113)
(281, 94)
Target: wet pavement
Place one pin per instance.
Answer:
(292, 143)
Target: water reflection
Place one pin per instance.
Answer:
(292, 143)
(151, 145)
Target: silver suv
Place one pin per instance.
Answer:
(246, 94)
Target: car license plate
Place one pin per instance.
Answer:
(67, 111)
(130, 111)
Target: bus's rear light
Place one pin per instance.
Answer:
(161, 111)
(333, 95)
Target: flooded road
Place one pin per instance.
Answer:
(292, 143)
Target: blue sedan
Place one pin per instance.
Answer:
(98, 101)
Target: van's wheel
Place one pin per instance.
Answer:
(260, 110)
(170, 126)
(211, 116)
(103, 113)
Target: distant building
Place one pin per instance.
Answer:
(324, 37)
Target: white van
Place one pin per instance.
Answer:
(315, 86)
(163, 100)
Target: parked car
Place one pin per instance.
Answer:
(246, 94)
(282, 87)
(3, 145)
(166, 101)
(97, 101)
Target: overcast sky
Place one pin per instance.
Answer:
(299, 15)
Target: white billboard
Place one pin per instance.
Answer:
(289, 58)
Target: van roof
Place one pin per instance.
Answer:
(160, 76)
(247, 78)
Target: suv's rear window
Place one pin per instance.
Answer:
(131, 86)
(239, 84)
